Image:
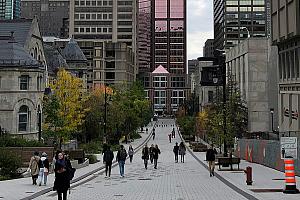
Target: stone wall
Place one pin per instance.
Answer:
(265, 152)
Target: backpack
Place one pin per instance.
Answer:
(123, 154)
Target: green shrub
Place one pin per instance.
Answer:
(92, 158)
(9, 163)
(92, 147)
(135, 135)
(8, 141)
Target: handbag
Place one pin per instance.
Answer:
(46, 171)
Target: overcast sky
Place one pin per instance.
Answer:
(200, 26)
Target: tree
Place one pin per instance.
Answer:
(64, 110)
(236, 114)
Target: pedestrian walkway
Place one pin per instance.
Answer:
(22, 188)
(265, 180)
(178, 181)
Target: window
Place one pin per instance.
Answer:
(110, 75)
(210, 96)
(24, 82)
(110, 65)
(88, 3)
(88, 16)
(23, 118)
(93, 30)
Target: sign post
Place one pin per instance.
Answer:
(288, 147)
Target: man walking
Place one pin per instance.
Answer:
(176, 150)
(145, 155)
(153, 133)
(173, 133)
(121, 157)
(170, 140)
(151, 149)
(108, 158)
(156, 151)
(210, 158)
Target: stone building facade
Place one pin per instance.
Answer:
(252, 64)
(21, 89)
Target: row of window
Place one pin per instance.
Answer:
(243, 9)
(245, 2)
(93, 16)
(24, 81)
(92, 30)
(93, 3)
(289, 63)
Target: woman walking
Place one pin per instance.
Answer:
(156, 151)
(62, 176)
(34, 167)
(108, 158)
(145, 155)
(44, 169)
(182, 151)
(130, 153)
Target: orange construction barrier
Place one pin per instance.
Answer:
(290, 180)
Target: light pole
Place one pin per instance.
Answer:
(272, 118)
(39, 123)
(105, 110)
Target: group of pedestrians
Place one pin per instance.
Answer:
(150, 153)
(39, 168)
(179, 150)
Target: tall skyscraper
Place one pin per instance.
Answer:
(144, 35)
(236, 20)
(10, 9)
(169, 39)
(208, 49)
(106, 31)
(167, 84)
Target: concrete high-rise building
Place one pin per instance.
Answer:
(286, 35)
(208, 49)
(104, 29)
(52, 15)
(10, 9)
(236, 20)
(167, 85)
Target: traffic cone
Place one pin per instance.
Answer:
(290, 180)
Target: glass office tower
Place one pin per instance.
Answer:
(10, 9)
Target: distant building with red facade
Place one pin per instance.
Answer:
(167, 90)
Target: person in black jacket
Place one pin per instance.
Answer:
(62, 175)
(44, 169)
(176, 151)
(210, 158)
(145, 155)
(121, 157)
(156, 151)
(151, 153)
(108, 158)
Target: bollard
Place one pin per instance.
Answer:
(290, 180)
(248, 172)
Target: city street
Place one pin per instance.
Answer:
(171, 180)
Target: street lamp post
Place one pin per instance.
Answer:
(272, 118)
(39, 123)
(105, 109)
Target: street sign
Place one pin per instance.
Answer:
(288, 147)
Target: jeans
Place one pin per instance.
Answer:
(176, 157)
(145, 163)
(59, 195)
(182, 157)
(121, 166)
(130, 157)
(42, 176)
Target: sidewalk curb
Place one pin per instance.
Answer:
(114, 164)
(226, 182)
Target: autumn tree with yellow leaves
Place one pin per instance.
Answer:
(63, 109)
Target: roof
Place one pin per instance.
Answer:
(72, 52)
(160, 70)
(14, 54)
(20, 27)
(54, 59)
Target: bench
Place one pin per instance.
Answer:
(229, 161)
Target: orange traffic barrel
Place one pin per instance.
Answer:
(290, 179)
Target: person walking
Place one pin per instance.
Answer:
(156, 151)
(130, 153)
(176, 151)
(210, 158)
(170, 140)
(121, 157)
(44, 169)
(153, 133)
(34, 167)
(62, 171)
(108, 158)
(182, 151)
(145, 155)
(151, 153)
(173, 133)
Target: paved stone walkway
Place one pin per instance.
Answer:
(171, 180)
